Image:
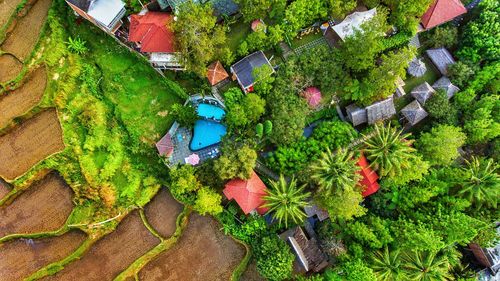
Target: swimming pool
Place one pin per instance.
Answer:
(210, 111)
(206, 133)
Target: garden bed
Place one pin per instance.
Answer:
(202, 253)
(10, 67)
(45, 206)
(112, 254)
(22, 257)
(21, 41)
(430, 76)
(162, 213)
(19, 101)
(31, 142)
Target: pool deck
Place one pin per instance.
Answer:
(181, 138)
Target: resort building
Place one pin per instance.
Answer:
(336, 33)
(380, 111)
(413, 113)
(153, 37)
(488, 258)
(422, 92)
(400, 91)
(445, 84)
(106, 14)
(216, 73)
(368, 177)
(417, 68)
(309, 256)
(243, 70)
(442, 11)
(248, 194)
(356, 115)
(441, 58)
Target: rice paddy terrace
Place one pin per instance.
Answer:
(50, 227)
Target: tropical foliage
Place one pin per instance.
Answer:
(481, 183)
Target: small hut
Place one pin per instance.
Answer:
(400, 91)
(417, 68)
(441, 58)
(422, 92)
(216, 73)
(414, 112)
(380, 111)
(445, 84)
(165, 146)
(356, 115)
(313, 96)
(310, 257)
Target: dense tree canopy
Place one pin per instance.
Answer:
(440, 145)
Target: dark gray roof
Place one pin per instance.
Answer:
(445, 84)
(221, 7)
(413, 112)
(441, 58)
(417, 68)
(380, 111)
(82, 4)
(356, 115)
(307, 250)
(422, 92)
(244, 68)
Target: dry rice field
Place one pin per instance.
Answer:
(21, 41)
(19, 101)
(10, 67)
(30, 143)
(7, 7)
(22, 257)
(112, 254)
(4, 188)
(162, 213)
(45, 206)
(202, 253)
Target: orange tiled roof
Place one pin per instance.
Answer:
(216, 73)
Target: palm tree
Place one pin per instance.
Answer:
(386, 265)
(481, 183)
(389, 151)
(335, 170)
(286, 200)
(426, 266)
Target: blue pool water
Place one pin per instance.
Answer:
(206, 133)
(210, 111)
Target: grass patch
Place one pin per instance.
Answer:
(297, 42)
(239, 32)
(430, 76)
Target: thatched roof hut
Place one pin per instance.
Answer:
(414, 112)
(422, 92)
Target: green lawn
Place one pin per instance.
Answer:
(297, 42)
(239, 31)
(430, 76)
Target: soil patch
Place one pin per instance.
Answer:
(4, 188)
(112, 254)
(162, 213)
(22, 257)
(202, 253)
(19, 101)
(45, 206)
(31, 142)
(10, 67)
(7, 8)
(21, 41)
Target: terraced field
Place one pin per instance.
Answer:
(10, 67)
(7, 8)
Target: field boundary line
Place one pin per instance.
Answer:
(133, 269)
(242, 266)
(149, 226)
(62, 230)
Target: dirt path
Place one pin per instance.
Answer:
(21, 41)
(30, 143)
(112, 254)
(10, 67)
(7, 8)
(162, 212)
(19, 101)
(202, 253)
(20, 258)
(43, 207)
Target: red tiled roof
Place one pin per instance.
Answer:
(442, 11)
(165, 146)
(247, 193)
(152, 31)
(369, 177)
(216, 73)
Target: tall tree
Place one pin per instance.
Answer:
(426, 266)
(235, 162)
(481, 183)
(260, 9)
(286, 201)
(200, 40)
(339, 8)
(386, 264)
(389, 151)
(482, 119)
(406, 14)
(440, 145)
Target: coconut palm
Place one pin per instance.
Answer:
(481, 182)
(386, 265)
(426, 266)
(286, 200)
(389, 151)
(335, 170)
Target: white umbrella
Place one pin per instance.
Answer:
(193, 159)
